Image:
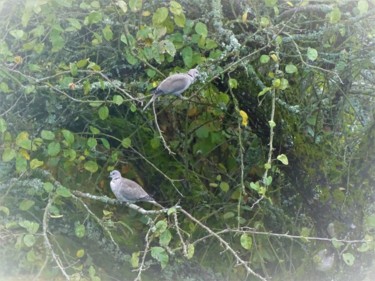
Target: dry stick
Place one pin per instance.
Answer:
(160, 132)
(225, 243)
(48, 243)
(184, 247)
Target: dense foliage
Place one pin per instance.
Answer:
(269, 164)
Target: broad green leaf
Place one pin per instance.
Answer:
(202, 132)
(210, 44)
(155, 143)
(272, 124)
(337, 244)
(105, 143)
(291, 68)
(190, 251)
(73, 69)
(135, 5)
(123, 6)
(160, 255)
(165, 238)
(233, 83)
(228, 215)
(91, 166)
(93, 17)
(17, 33)
(348, 258)
(31, 226)
(63, 191)
(75, 24)
(187, 56)
(126, 142)
(283, 159)
(91, 142)
(224, 186)
(169, 47)
(264, 21)
(270, 3)
(180, 20)
(246, 241)
(47, 135)
(94, 130)
(103, 112)
(26, 204)
(70, 154)
(117, 99)
(135, 259)
(3, 125)
(68, 136)
(175, 8)
(80, 253)
(35, 163)
(161, 226)
(23, 140)
(8, 154)
(48, 187)
(362, 7)
(312, 54)
(53, 149)
(21, 163)
(5, 210)
(264, 91)
(255, 186)
(79, 230)
(82, 63)
(335, 15)
(29, 240)
(160, 16)
(107, 33)
(201, 29)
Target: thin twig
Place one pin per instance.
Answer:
(184, 247)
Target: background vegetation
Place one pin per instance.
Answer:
(271, 160)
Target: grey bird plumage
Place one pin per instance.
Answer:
(175, 84)
(127, 190)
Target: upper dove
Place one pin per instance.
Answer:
(175, 84)
(127, 190)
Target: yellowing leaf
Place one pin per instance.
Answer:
(244, 17)
(245, 118)
(24, 153)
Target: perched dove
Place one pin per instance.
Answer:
(175, 84)
(127, 190)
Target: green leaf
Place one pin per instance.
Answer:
(29, 240)
(335, 15)
(48, 187)
(165, 238)
(8, 154)
(35, 163)
(264, 91)
(291, 68)
(175, 8)
(105, 143)
(202, 132)
(255, 186)
(80, 253)
(3, 125)
(190, 251)
(123, 6)
(126, 142)
(93, 17)
(17, 33)
(94, 130)
(161, 226)
(272, 124)
(224, 186)
(103, 112)
(270, 3)
(63, 191)
(201, 29)
(107, 33)
(26, 204)
(362, 7)
(79, 230)
(155, 143)
(187, 56)
(264, 21)
(47, 135)
(135, 5)
(246, 241)
(283, 159)
(23, 140)
(21, 164)
(312, 54)
(160, 16)
(160, 255)
(348, 258)
(337, 244)
(169, 47)
(233, 83)
(91, 142)
(73, 69)
(68, 136)
(53, 149)
(135, 259)
(210, 44)
(5, 210)
(180, 20)
(91, 166)
(117, 99)
(228, 215)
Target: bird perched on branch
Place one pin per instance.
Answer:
(127, 190)
(175, 84)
